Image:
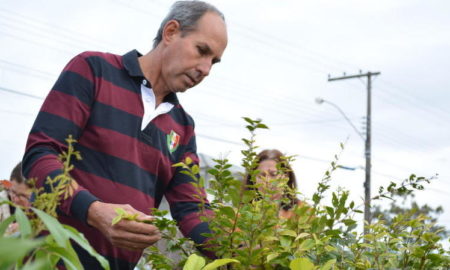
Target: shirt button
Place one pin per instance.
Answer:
(144, 82)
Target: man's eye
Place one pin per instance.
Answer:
(202, 50)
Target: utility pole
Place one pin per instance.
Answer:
(367, 151)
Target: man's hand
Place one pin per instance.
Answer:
(126, 234)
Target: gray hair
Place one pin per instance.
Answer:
(187, 14)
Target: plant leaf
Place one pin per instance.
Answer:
(24, 223)
(55, 228)
(218, 263)
(301, 264)
(194, 262)
(328, 264)
(84, 243)
(5, 223)
(14, 249)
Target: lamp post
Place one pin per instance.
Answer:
(367, 155)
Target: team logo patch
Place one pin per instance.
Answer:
(173, 140)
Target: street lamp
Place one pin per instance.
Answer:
(367, 155)
(320, 100)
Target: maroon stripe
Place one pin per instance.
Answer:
(120, 98)
(127, 148)
(39, 138)
(42, 167)
(113, 192)
(114, 60)
(166, 123)
(80, 66)
(66, 106)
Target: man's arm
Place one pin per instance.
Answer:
(64, 112)
(185, 200)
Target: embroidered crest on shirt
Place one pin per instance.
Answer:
(173, 140)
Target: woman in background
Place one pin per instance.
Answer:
(267, 167)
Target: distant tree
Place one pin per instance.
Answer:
(405, 204)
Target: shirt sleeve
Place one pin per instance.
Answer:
(185, 201)
(64, 112)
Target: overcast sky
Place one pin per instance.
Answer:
(277, 62)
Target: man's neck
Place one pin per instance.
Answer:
(150, 65)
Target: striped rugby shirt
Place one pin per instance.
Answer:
(97, 99)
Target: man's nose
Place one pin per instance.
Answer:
(204, 68)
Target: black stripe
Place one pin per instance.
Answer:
(180, 209)
(34, 154)
(181, 117)
(180, 178)
(116, 169)
(56, 127)
(119, 77)
(196, 234)
(80, 205)
(106, 116)
(74, 84)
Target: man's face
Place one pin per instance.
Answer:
(188, 59)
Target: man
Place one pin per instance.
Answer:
(131, 129)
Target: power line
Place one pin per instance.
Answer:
(19, 93)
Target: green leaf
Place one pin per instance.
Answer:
(301, 235)
(328, 264)
(55, 228)
(24, 223)
(289, 233)
(271, 256)
(301, 264)
(228, 211)
(5, 224)
(194, 262)
(116, 220)
(68, 255)
(38, 264)
(195, 169)
(83, 242)
(248, 120)
(218, 263)
(188, 161)
(307, 244)
(14, 249)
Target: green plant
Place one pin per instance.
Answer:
(246, 226)
(34, 249)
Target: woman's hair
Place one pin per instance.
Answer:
(277, 156)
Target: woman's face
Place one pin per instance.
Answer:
(268, 171)
(20, 194)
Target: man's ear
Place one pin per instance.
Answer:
(171, 29)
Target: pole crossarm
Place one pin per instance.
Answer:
(354, 76)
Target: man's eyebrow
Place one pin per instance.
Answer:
(208, 50)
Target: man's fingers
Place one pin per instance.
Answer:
(134, 241)
(137, 227)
